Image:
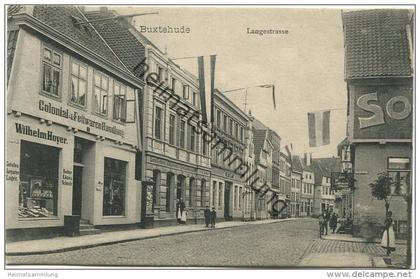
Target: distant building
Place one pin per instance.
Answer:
(296, 187)
(227, 191)
(379, 76)
(285, 180)
(307, 190)
(324, 195)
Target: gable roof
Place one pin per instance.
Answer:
(297, 165)
(259, 140)
(324, 167)
(118, 36)
(376, 43)
(62, 18)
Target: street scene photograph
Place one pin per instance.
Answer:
(158, 136)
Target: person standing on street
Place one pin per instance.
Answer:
(388, 237)
(178, 212)
(213, 216)
(326, 221)
(321, 225)
(333, 222)
(207, 216)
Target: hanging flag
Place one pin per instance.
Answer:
(206, 77)
(273, 90)
(212, 77)
(202, 87)
(319, 128)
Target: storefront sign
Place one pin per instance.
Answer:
(382, 112)
(38, 133)
(67, 178)
(75, 116)
(12, 171)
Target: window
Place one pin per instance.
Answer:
(158, 123)
(173, 83)
(195, 98)
(205, 146)
(114, 187)
(235, 198)
(236, 131)
(51, 72)
(399, 172)
(242, 134)
(225, 127)
(186, 92)
(192, 138)
(78, 83)
(218, 118)
(231, 127)
(182, 135)
(172, 129)
(38, 186)
(100, 89)
(124, 103)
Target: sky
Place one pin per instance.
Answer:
(306, 65)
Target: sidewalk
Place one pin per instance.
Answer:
(64, 243)
(350, 238)
(339, 260)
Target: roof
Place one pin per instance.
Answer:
(118, 36)
(324, 167)
(376, 43)
(259, 139)
(297, 165)
(63, 18)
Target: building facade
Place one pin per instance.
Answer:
(285, 181)
(296, 186)
(307, 190)
(380, 120)
(72, 136)
(227, 191)
(324, 195)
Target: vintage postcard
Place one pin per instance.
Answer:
(209, 136)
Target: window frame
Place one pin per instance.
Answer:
(161, 121)
(60, 68)
(399, 170)
(102, 75)
(172, 134)
(70, 95)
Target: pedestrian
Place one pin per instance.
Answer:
(213, 216)
(388, 236)
(333, 222)
(182, 214)
(326, 221)
(178, 211)
(207, 216)
(321, 224)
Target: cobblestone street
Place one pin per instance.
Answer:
(282, 244)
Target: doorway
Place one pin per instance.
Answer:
(77, 190)
(227, 215)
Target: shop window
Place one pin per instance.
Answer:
(78, 83)
(101, 85)
(38, 187)
(214, 194)
(220, 196)
(114, 187)
(399, 172)
(51, 71)
(124, 103)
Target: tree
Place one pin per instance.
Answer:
(382, 189)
